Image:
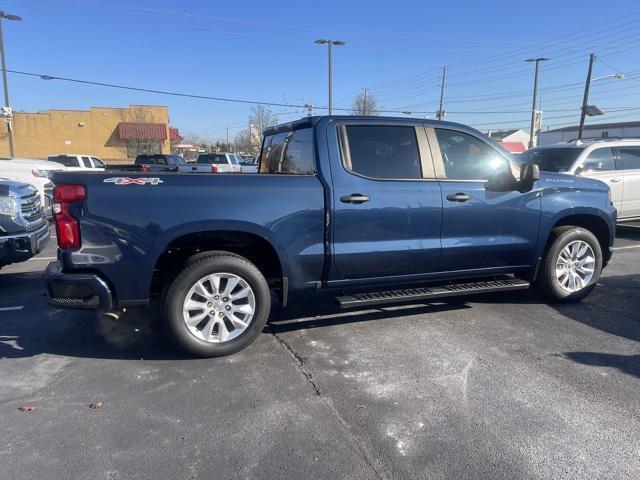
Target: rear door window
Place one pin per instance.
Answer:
(629, 158)
(288, 153)
(381, 151)
(66, 161)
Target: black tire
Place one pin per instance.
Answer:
(174, 296)
(548, 283)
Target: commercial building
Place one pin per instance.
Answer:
(596, 130)
(112, 134)
(515, 140)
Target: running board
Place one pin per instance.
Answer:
(430, 293)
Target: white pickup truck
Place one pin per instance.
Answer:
(78, 162)
(221, 162)
(32, 172)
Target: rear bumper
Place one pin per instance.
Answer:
(76, 290)
(18, 248)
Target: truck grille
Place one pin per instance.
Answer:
(31, 210)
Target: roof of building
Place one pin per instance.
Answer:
(514, 147)
(498, 135)
(598, 126)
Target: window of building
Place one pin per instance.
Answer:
(380, 151)
(466, 157)
(630, 158)
(600, 159)
(288, 153)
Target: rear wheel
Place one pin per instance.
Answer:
(217, 305)
(571, 266)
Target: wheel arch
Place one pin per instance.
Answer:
(256, 246)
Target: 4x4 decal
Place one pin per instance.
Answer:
(133, 181)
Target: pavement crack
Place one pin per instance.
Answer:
(358, 444)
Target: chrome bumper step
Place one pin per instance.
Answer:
(502, 284)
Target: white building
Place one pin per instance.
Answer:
(600, 130)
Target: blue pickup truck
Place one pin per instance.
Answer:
(376, 210)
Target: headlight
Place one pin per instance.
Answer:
(9, 207)
(40, 173)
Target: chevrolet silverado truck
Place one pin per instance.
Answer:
(24, 230)
(371, 210)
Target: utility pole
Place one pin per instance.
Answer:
(441, 113)
(330, 44)
(228, 138)
(4, 78)
(532, 132)
(309, 108)
(585, 99)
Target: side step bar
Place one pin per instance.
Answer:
(428, 293)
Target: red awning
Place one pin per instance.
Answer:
(142, 131)
(174, 134)
(514, 147)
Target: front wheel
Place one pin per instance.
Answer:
(571, 266)
(217, 305)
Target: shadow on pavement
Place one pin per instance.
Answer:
(629, 364)
(39, 328)
(629, 232)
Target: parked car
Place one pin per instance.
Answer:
(614, 161)
(32, 172)
(24, 230)
(248, 164)
(221, 162)
(78, 162)
(376, 210)
(162, 163)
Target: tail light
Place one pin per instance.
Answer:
(214, 169)
(144, 168)
(67, 228)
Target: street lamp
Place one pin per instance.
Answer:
(535, 94)
(330, 43)
(591, 110)
(6, 16)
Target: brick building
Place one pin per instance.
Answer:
(113, 134)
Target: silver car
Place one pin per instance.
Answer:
(614, 161)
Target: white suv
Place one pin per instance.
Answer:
(614, 161)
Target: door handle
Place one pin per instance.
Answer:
(614, 180)
(458, 197)
(354, 198)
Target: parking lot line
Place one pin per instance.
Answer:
(628, 247)
(11, 309)
(42, 258)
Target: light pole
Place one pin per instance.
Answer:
(4, 76)
(532, 132)
(330, 43)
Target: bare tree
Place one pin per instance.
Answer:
(262, 117)
(244, 143)
(365, 104)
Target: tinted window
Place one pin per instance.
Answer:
(66, 161)
(234, 159)
(600, 159)
(86, 162)
(378, 151)
(97, 162)
(552, 159)
(288, 152)
(630, 158)
(216, 158)
(466, 157)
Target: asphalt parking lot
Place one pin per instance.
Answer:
(500, 386)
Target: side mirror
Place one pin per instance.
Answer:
(529, 174)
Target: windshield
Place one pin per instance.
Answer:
(551, 159)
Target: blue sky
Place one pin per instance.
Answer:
(265, 51)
